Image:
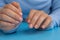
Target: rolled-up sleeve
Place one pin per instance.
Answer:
(55, 14)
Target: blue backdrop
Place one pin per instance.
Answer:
(24, 33)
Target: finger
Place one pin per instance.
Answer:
(34, 19)
(31, 14)
(11, 14)
(40, 21)
(46, 23)
(16, 4)
(6, 18)
(13, 8)
(6, 26)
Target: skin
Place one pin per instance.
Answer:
(38, 19)
(10, 16)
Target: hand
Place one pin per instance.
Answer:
(10, 16)
(38, 19)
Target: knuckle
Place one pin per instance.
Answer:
(5, 10)
(7, 6)
(33, 10)
(0, 22)
(49, 18)
(16, 3)
(1, 16)
(42, 11)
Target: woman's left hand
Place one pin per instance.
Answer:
(38, 19)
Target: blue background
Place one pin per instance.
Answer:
(24, 33)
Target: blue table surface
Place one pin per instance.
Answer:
(25, 33)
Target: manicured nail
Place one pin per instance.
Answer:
(31, 26)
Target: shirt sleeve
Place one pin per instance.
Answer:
(55, 14)
(2, 3)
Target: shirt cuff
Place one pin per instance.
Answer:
(53, 24)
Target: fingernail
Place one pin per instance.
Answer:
(36, 27)
(28, 21)
(21, 14)
(21, 19)
(43, 27)
(31, 26)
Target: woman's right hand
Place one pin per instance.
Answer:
(10, 16)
